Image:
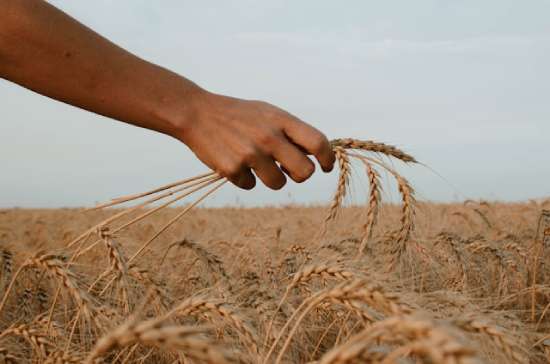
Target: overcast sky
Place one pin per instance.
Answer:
(462, 85)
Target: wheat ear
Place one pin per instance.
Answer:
(499, 337)
(374, 203)
(34, 337)
(375, 147)
(358, 290)
(341, 188)
(413, 337)
(196, 306)
(407, 211)
(153, 333)
(305, 275)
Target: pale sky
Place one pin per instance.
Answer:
(464, 86)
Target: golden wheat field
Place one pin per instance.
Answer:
(413, 282)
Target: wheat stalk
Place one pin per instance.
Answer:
(34, 337)
(375, 147)
(359, 290)
(342, 186)
(305, 275)
(373, 205)
(498, 336)
(153, 333)
(197, 305)
(414, 336)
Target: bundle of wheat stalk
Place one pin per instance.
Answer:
(369, 153)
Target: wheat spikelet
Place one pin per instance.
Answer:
(374, 202)
(153, 333)
(341, 188)
(6, 258)
(412, 336)
(371, 146)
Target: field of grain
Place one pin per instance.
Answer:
(381, 283)
(259, 285)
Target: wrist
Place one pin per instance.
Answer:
(180, 111)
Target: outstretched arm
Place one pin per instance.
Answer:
(49, 52)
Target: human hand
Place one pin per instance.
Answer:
(234, 137)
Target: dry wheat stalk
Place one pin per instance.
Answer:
(128, 198)
(323, 270)
(407, 210)
(359, 290)
(153, 333)
(199, 182)
(198, 305)
(56, 269)
(498, 336)
(158, 289)
(193, 187)
(373, 205)
(413, 336)
(37, 339)
(210, 260)
(375, 147)
(455, 248)
(175, 219)
(117, 266)
(342, 186)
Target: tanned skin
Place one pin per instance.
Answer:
(47, 51)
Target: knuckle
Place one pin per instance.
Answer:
(268, 139)
(230, 170)
(249, 156)
(318, 143)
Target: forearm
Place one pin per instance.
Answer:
(49, 52)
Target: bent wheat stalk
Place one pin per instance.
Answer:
(412, 336)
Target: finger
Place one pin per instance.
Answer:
(313, 141)
(294, 162)
(268, 171)
(243, 179)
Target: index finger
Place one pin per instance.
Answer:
(312, 141)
